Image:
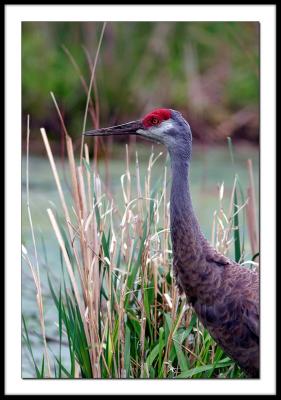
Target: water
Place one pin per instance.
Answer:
(210, 167)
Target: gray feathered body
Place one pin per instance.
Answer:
(225, 295)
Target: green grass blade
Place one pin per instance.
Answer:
(127, 350)
(29, 347)
(198, 370)
(152, 355)
(237, 246)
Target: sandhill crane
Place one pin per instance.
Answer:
(224, 294)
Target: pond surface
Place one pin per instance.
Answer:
(210, 167)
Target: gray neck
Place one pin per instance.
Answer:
(185, 230)
(181, 203)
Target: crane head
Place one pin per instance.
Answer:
(161, 125)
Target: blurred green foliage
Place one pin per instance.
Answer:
(207, 70)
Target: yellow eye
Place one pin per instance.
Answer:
(155, 121)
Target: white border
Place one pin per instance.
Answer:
(14, 15)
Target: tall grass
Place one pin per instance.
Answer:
(118, 308)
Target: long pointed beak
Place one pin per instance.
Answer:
(124, 129)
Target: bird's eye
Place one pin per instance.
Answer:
(155, 121)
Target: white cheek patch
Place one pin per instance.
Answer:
(163, 127)
(159, 129)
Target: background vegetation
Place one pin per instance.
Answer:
(209, 71)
